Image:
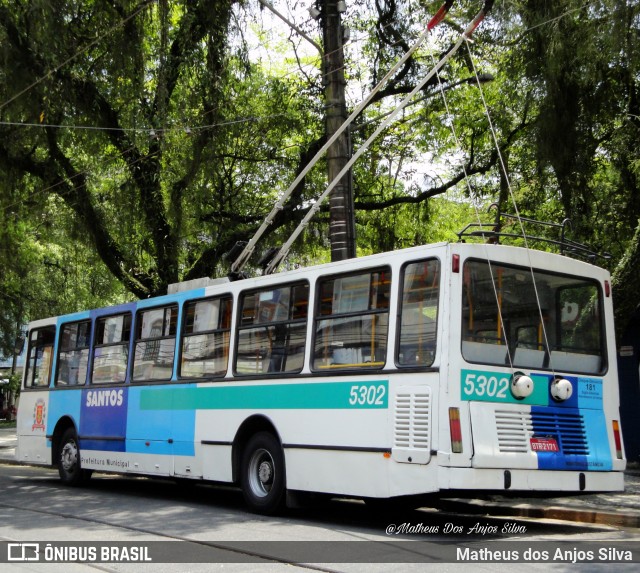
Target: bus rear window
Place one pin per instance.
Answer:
(539, 321)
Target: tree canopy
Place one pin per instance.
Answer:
(140, 139)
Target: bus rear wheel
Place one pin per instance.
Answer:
(262, 474)
(69, 466)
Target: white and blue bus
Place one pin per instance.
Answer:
(441, 368)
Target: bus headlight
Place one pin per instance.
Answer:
(561, 389)
(521, 385)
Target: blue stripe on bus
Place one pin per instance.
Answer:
(304, 396)
(149, 431)
(162, 420)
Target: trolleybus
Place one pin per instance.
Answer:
(442, 368)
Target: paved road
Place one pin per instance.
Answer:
(35, 507)
(616, 509)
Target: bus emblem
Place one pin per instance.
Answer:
(39, 412)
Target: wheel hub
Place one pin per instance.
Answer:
(261, 472)
(69, 456)
(265, 472)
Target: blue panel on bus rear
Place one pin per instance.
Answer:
(580, 435)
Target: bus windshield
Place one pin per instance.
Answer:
(507, 319)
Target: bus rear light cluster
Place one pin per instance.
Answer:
(455, 430)
(616, 437)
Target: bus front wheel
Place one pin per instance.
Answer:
(69, 467)
(263, 475)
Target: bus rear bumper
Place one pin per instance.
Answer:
(503, 480)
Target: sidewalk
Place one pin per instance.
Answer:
(616, 509)
(619, 509)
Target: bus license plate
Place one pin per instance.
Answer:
(544, 445)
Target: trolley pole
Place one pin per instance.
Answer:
(341, 218)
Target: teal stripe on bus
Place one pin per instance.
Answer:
(309, 396)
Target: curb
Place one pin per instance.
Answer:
(592, 516)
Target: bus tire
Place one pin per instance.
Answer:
(69, 468)
(262, 474)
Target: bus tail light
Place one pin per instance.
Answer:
(616, 437)
(455, 430)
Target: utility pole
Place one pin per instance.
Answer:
(341, 218)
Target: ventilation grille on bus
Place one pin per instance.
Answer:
(412, 421)
(514, 430)
(567, 428)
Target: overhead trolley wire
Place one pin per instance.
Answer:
(516, 210)
(246, 253)
(465, 35)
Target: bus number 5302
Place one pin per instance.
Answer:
(367, 395)
(479, 385)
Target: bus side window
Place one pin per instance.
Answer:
(40, 357)
(352, 320)
(272, 330)
(73, 357)
(419, 313)
(155, 344)
(205, 342)
(111, 349)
